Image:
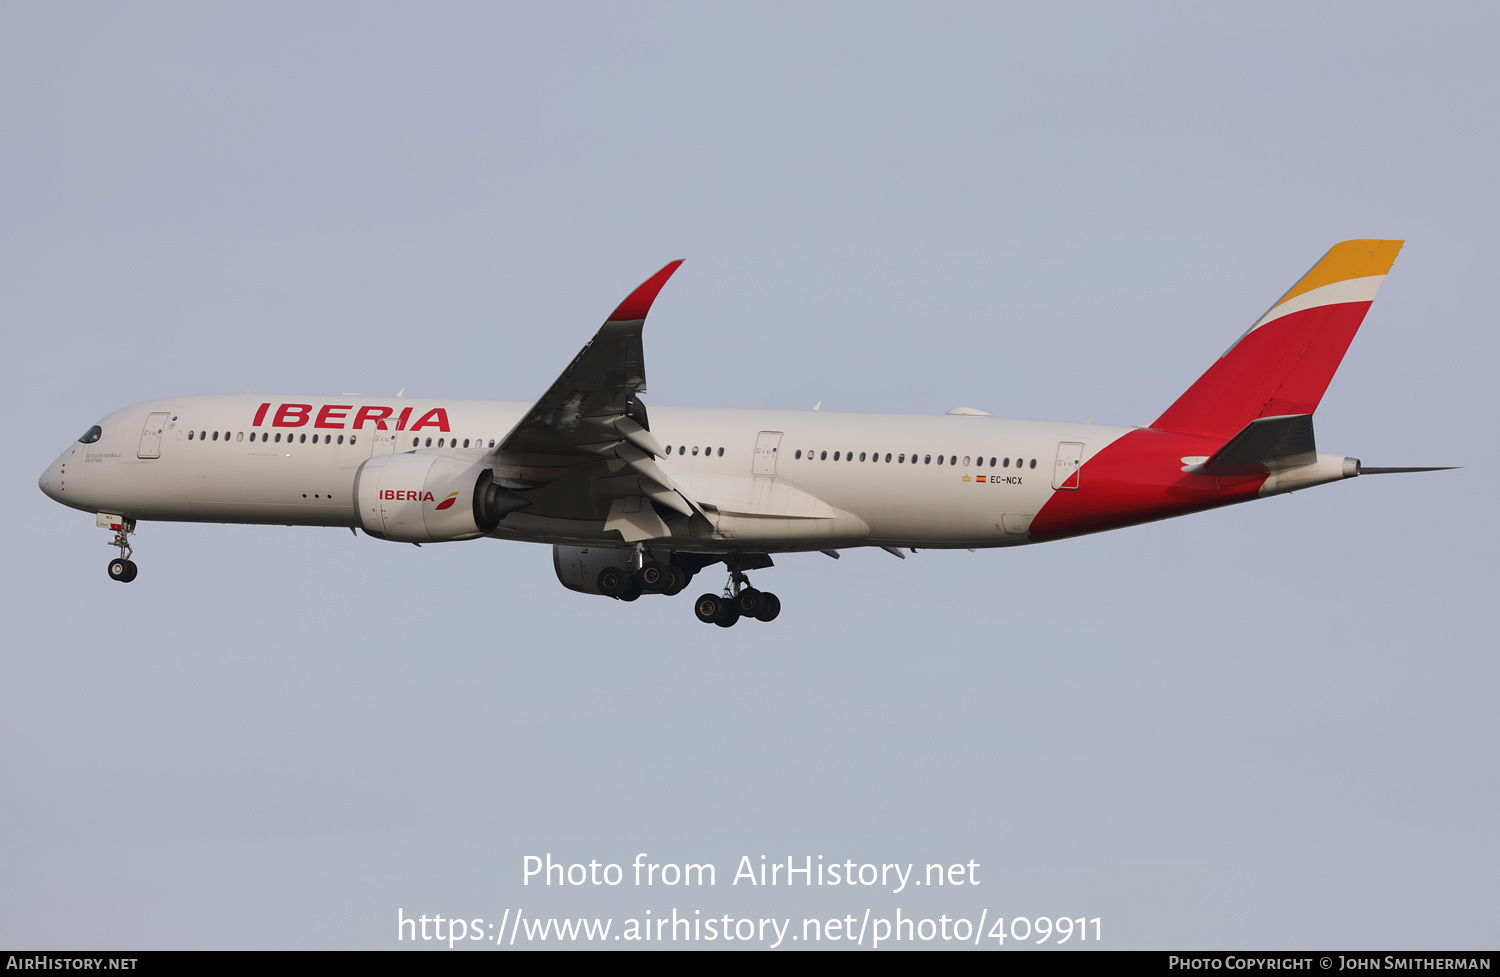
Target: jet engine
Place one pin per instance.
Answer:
(416, 498)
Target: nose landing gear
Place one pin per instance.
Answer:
(123, 569)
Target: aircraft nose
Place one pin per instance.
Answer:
(54, 481)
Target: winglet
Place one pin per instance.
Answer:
(638, 302)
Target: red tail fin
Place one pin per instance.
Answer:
(1284, 362)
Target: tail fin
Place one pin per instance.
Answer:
(1284, 362)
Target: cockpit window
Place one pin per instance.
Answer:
(91, 435)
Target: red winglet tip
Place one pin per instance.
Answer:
(638, 302)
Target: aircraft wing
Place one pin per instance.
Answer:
(585, 451)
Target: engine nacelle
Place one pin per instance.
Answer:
(578, 567)
(416, 498)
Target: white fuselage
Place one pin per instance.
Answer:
(830, 479)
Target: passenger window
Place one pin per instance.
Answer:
(1033, 463)
(966, 461)
(303, 439)
(835, 456)
(240, 436)
(940, 459)
(466, 442)
(861, 456)
(695, 451)
(721, 452)
(669, 449)
(901, 459)
(823, 456)
(428, 444)
(352, 438)
(928, 460)
(190, 435)
(887, 457)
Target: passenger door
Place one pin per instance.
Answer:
(766, 446)
(151, 435)
(1065, 469)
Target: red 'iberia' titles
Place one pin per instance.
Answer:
(336, 417)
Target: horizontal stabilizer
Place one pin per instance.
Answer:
(1266, 444)
(1362, 470)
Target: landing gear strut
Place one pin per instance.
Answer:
(123, 569)
(739, 600)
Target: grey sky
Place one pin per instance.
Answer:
(1268, 726)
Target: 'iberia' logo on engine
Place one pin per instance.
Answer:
(398, 495)
(452, 498)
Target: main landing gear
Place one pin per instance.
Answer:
(668, 573)
(123, 569)
(653, 577)
(739, 600)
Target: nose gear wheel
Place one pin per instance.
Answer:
(124, 568)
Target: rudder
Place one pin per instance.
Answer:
(1283, 363)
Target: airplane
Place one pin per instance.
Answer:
(635, 503)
